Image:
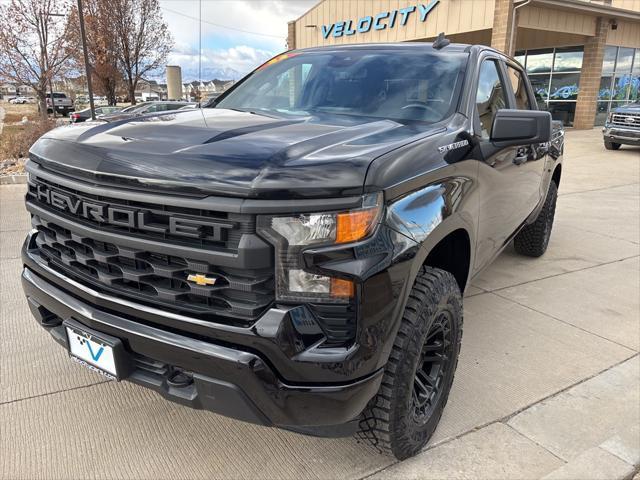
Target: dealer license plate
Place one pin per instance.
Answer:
(92, 352)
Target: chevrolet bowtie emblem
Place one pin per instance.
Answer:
(201, 279)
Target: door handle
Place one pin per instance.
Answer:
(520, 159)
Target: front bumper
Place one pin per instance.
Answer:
(232, 380)
(626, 136)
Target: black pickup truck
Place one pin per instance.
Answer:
(622, 127)
(296, 255)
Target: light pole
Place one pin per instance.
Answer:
(87, 67)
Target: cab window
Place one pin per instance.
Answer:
(491, 96)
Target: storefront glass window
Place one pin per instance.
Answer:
(618, 64)
(621, 87)
(563, 111)
(539, 61)
(564, 86)
(568, 59)
(555, 76)
(602, 112)
(634, 88)
(609, 63)
(540, 84)
(625, 60)
(605, 88)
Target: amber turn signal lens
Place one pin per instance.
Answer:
(353, 226)
(342, 288)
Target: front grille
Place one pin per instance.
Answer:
(155, 278)
(145, 252)
(628, 120)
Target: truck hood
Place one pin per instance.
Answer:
(225, 152)
(630, 108)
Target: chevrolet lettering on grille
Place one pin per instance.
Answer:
(132, 218)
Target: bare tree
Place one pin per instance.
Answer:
(144, 41)
(102, 46)
(33, 44)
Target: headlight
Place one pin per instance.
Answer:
(293, 233)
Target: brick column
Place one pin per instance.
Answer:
(291, 35)
(502, 18)
(590, 77)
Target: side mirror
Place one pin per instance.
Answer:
(521, 127)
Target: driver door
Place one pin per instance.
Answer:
(504, 195)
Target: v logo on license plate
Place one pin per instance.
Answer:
(95, 356)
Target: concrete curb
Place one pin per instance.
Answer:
(13, 179)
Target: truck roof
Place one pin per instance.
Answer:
(405, 46)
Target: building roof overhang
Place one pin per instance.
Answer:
(596, 9)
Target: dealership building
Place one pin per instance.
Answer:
(583, 57)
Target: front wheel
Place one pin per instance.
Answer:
(611, 145)
(417, 379)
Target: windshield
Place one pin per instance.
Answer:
(398, 85)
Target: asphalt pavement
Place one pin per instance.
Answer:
(548, 383)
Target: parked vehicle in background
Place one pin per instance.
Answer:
(84, 115)
(297, 254)
(622, 127)
(143, 108)
(61, 103)
(19, 100)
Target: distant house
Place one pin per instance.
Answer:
(8, 90)
(151, 89)
(196, 90)
(26, 90)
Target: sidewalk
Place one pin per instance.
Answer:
(548, 383)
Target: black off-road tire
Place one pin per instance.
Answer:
(612, 145)
(392, 422)
(533, 239)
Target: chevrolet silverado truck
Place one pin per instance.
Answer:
(295, 255)
(622, 127)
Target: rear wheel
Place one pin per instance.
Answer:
(611, 145)
(533, 239)
(402, 417)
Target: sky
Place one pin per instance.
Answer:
(237, 35)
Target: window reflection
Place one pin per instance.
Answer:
(563, 111)
(540, 84)
(565, 86)
(601, 113)
(539, 61)
(609, 63)
(625, 60)
(605, 88)
(568, 60)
